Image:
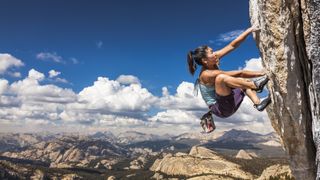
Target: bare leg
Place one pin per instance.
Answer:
(224, 83)
(253, 96)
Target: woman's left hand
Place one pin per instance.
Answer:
(254, 28)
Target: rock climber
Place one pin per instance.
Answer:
(223, 91)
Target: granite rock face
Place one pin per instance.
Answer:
(280, 171)
(289, 42)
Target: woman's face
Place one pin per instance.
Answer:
(211, 59)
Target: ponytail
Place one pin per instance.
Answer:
(191, 64)
(194, 58)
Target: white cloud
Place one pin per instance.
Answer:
(3, 86)
(227, 37)
(15, 74)
(165, 92)
(31, 91)
(128, 79)
(74, 60)
(6, 99)
(53, 73)
(175, 117)
(253, 64)
(106, 102)
(111, 95)
(35, 75)
(7, 61)
(61, 80)
(183, 99)
(114, 104)
(47, 56)
(28, 100)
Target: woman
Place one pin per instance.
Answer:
(223, 91)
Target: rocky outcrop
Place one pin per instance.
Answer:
(276, 172)
(71, 177)
(111, 178)
(199, 162)
(272, 143)
(289, 47)
(138, 163)
(13, 171)
(242, 154)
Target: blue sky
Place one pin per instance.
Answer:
(82, 40)
(148, 39)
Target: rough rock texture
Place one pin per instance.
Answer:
(276, 171)
(71, 177)
(210, 177)
(71, 152)
(289, 47)
(198, 162)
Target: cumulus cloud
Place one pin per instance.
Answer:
(31, 91)
(176, 116)
(53, 73)
(47, 56)
(35, 75)
(8, 61)
(28, 100)
(3, 85)
(6, 99)
(165, 92)
(108, 104)
(253, 64)
(111, 95)
(184, 98)
(128, 79)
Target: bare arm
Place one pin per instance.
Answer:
(235, 43)
(244, 73)
(239, 73)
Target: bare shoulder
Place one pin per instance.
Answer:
(211, 73)
(208, 76)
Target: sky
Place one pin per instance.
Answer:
(116, 65)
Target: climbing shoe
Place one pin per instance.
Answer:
(260, 83)
(263, 104)
(207, 122)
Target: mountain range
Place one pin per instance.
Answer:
(104, 154)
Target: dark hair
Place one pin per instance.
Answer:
(194, 58)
